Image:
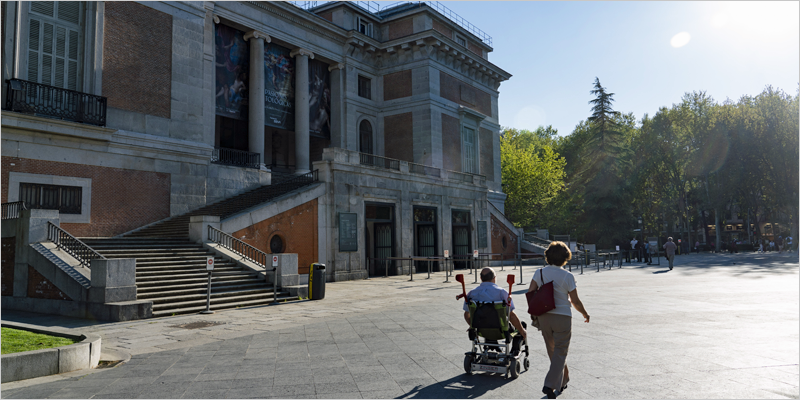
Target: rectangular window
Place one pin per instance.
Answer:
(470, 151)
(364, 26)
(54, 38)
(364, 87)
(65, 199)
(460, 40)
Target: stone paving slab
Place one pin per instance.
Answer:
(718, 326)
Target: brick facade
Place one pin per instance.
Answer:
(443, 29)
(298, 229)
(401, 28)
(465, 94)
(8, 255)
(499, 232)
(137, 58)
(487, 153)
(397, 85)
(451, 143)
(122, 199)
(398, 136)
(475, 49)
(328, 16)
(40, 287)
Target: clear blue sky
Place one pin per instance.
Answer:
(555, 50)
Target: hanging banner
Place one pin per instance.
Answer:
(319, 99)
(278, 87)
(232, 61)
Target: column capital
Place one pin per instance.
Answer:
(301, 52)
(335, 66)
(257, 35)
(215, 18)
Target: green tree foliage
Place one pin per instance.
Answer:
(681, 169)
(533, 174)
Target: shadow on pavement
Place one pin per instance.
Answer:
(459, 387)
(749, 265)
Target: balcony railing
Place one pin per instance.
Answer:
(71, 245)
(460, 176)
(50, 101)
(12, 210)
(424, 170)
(239, 158)
(378, 161)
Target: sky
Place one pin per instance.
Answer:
(649, 54)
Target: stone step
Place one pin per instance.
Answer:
(202, 285)
(236, 299)
(223, 306)
(188, 271)
(219, 295)
(202, 290)
(180, 280)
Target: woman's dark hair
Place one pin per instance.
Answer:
(557, 254)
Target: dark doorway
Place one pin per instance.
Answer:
(380, 238)
(462, 243)
(425, 236)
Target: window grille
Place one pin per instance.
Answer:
(65, 199)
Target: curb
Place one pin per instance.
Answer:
(33, 364)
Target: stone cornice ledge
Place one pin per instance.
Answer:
(301, 52)
(12, 120)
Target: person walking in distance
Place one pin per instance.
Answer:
(556, 324)
(670, 247)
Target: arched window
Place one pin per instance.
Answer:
(365, 137)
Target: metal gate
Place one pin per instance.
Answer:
(383, 245)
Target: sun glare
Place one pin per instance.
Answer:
(680, 39)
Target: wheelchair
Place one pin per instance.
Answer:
(490, 322)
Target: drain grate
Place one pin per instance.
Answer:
(197, 325)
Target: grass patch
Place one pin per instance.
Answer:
(15, 341)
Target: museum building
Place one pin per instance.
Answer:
(124, 115)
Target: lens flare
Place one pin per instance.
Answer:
(680, 39)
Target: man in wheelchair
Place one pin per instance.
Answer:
(488, 309)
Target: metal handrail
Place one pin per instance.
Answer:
(226, 156)
(247, 251)
(378, 161)
(459, 21)
(13, 209)
(72, 245)
(424, 170)
(51, 101)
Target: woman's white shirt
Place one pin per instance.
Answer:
(563, 283)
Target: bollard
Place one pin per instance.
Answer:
(410, 269)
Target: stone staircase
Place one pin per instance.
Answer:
(171, 273)
(178, 226)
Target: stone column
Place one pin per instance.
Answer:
(256, 92)
(301, 111)
(338, 137)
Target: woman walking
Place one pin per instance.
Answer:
(556, 324)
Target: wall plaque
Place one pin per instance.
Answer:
(482, 235)
(348, 232)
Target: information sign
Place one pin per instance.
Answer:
(209, 263)
(348, 232)
(483, 241)
(474, 253)
(446, 253)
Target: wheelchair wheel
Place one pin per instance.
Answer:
(468, 364)
(515, 368)
(526, 363)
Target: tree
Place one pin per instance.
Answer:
(532, 175)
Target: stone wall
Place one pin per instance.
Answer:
(8, 255)
(500, 234)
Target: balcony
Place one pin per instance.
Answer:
(236, 158)
(53, 102)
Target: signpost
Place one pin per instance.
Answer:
(446, 268)
(474, 269)
(210, 269)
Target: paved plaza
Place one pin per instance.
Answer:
(717, 326)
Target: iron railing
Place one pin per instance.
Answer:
(239, 158)
(12, 210)
(50, 101)
(247, 252)
(70, 244)
(378, 161)
(424, 170)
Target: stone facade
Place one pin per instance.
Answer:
(418, 80)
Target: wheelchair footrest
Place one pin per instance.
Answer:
(500, 369)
